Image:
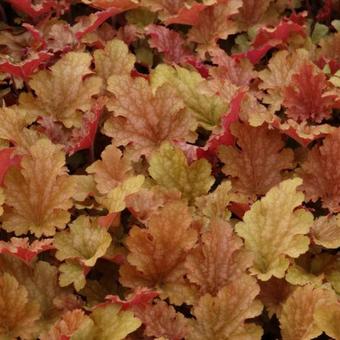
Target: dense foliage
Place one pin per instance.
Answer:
(169, 169)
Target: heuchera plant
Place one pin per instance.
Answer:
(169, 169)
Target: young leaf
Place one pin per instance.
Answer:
(274, 229)
(114, 59)
(112, 170)
(206, 109)
(169, 168)
(85, 241)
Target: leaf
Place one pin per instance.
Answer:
(115, 200)
(327, 318)
(112, 170)
(7, 159)
(168, 232)
(306, 96)
(297, 319)
(104, 4)
(40, 280)
(66, 326)
(111, 323)
(214, 204)
(85, 241)
(273, 294)
(278, 74)
(114, 59)
(23, 249)
(168, 42)
(214, 23)
(223, 317)
(321, 173)
(72, 273)
(218, 258)
(13, 128)
(2, 201)
(169, 168)
(17, 314)
(62, 92)
(162, 320)
(206, 109)
(257, 163)
(139, 299)
(143, 119)
(252, 12)
(326, 231)
(274, 229)
(39, 194)
(24, 69)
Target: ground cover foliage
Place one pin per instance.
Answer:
(169, 169)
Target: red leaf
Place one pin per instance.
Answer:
(7, 159)
(33, 11)
(109, 220)
(238, 209)
(168, 42)
(224, 137)
(268, 38)
(21, 248)
(325, 12)
(25, 68)
(140, 297)
(306, 97)
(83, 138)
(187, 16)
(90, 23)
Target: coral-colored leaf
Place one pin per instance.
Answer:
(26, 68)
(143, 119)
(223, 137)
(258, 161)
(214, 23)
(7, 160)
(321, 173)
(224, 316)
(90, 23)
(162, 320)
(112, 170)
(168, 42)
(137, 300)
(218, 258)
(31, 9)
(168, 232)
(306, 97)
(65, 327)
(274, 229)
(39, 194)
(21, 248)
(297, 319)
